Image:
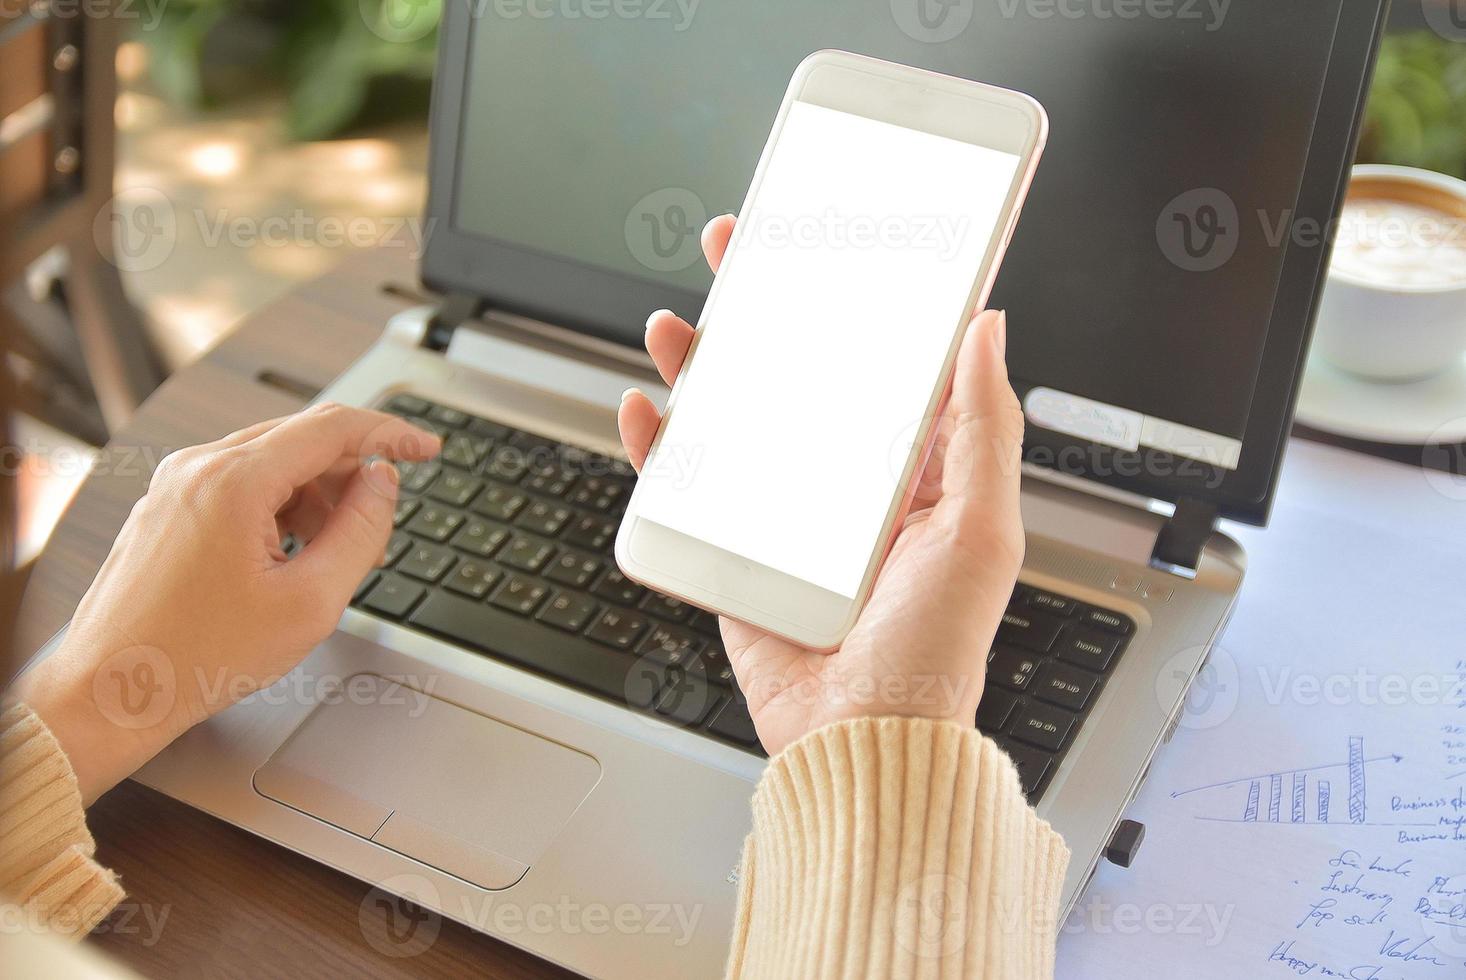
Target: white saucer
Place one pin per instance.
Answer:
(1411, 413)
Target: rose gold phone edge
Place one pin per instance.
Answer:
(1029, 158)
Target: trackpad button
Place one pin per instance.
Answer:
(454, 789)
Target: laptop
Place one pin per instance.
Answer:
(508, 732)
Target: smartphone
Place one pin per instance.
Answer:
(870, 236)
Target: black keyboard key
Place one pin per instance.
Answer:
(407, 405)
(734, 723)
(435, 522)
(576, 571)
(492, 431)
(644, 683)
(1013, 669)
(455, 488)
(550, 479)
(619, 628)
(598, 493)
(592, 532)
(474, 579)
(686, 699)
(397, 546)
(570, 611)
(617, 588)
(716, 665)
(1042, 725)
(366, 586)
(426, 561)
(414, 478)
(666, 607)
(525, 642)
(526, 553)
(1068, 687)
(520, 594)
(499, 502)
(507, 463)
(480, 537)
(1047, 601)
(465, 451)
(1089, 649)
(995, 710)
(449, 417)
(393, 596)
(671, 645)
(405, 508)
(1033, 630)
(1108, 621)
(1032, 765)
(544, 517)
(705, 622)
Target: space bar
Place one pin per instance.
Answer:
(505, 636)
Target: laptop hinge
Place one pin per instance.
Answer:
(1179, 545)
(457, 309)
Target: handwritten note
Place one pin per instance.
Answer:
(1309, 817)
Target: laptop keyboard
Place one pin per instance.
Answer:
(504, 545)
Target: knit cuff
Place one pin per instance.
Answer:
(46, 863)
(896, 847)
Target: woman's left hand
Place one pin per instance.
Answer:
(198, 606)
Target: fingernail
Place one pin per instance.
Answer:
(383, 477)
(629, 392)
(655, 315)
(1000, 332)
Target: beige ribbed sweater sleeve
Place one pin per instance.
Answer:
(896, 847)
(46, 864)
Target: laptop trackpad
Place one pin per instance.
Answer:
(462, 792)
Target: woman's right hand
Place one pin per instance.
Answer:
(920, 646)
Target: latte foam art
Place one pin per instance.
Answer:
(1394, 243)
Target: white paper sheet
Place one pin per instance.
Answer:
(1309, 817)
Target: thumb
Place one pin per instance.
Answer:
(981, 468)
(354, 536)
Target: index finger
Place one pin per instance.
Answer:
(307, 445)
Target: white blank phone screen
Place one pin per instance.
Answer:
(824, 342)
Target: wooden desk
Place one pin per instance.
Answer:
(235, 903)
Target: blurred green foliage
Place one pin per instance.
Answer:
(1417, 108)
(331, 56)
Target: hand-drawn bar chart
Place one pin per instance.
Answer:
(1299, 796)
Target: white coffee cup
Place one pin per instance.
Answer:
(1394, 314)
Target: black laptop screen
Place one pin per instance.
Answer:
(1142, 279)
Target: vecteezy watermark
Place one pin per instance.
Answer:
(937, 21)
(932, 21)
(1443, 460)
(833, 230)
(401, 21)
(135, 688)
(1211, 697)
(1199, 230)
(1442, 911)
(141, 922)
(407, 21)
(1096, 915)
(398, 918)
(140, 228)
(147, 14)
(1211, 13)
(663, 229)
(1446, 17)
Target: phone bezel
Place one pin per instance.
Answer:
(984, 115)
